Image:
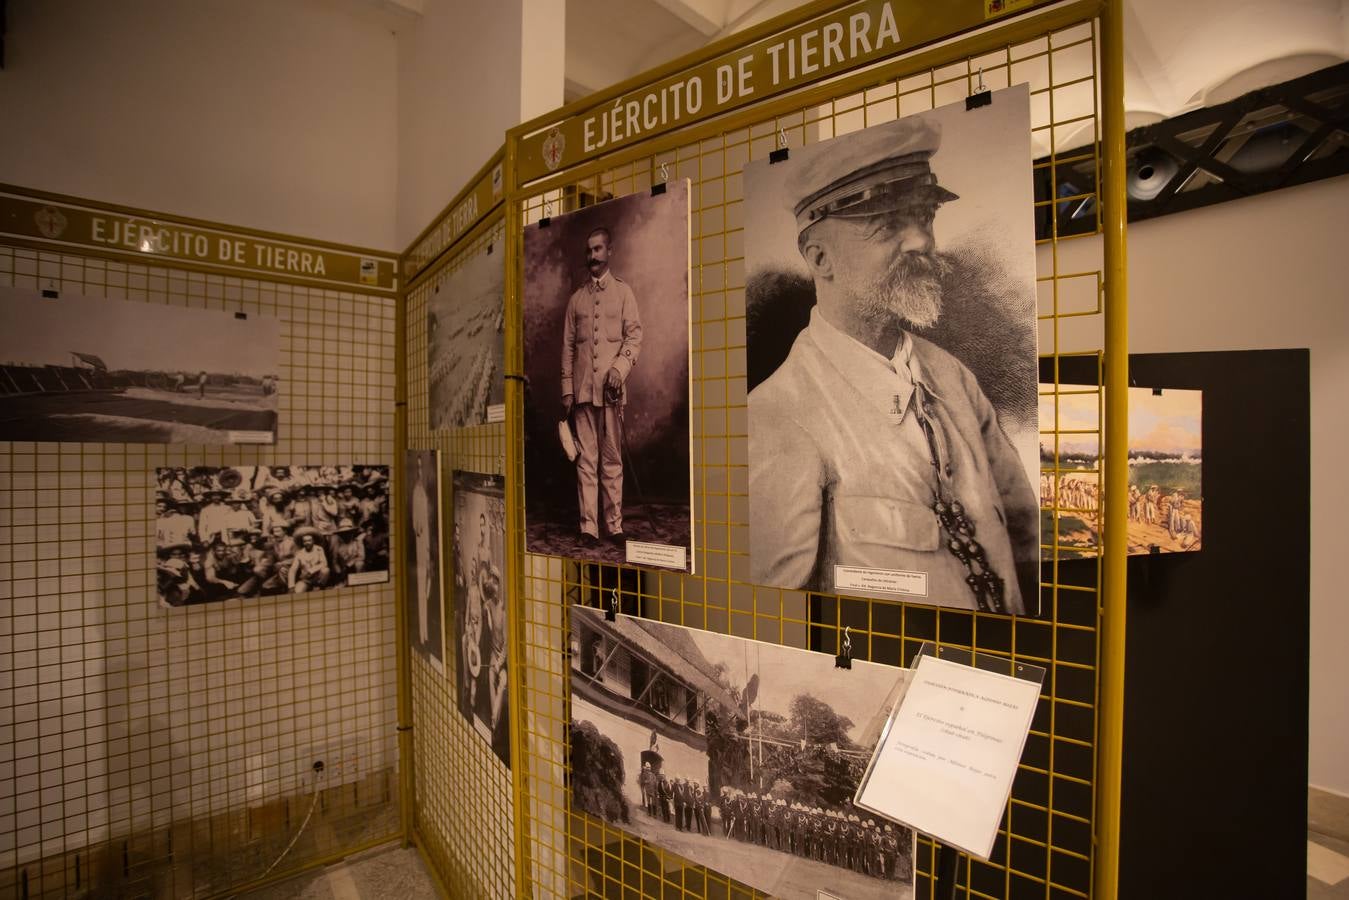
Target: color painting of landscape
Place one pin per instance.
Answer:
(1165, 470)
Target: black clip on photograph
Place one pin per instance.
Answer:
(974, 101)
(611, 611)
(844, 659)
(982, 96)
(781, 153)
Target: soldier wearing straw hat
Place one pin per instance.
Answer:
(870, 446)
(310, 570)
(348, 549)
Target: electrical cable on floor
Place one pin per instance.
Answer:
(313, 804)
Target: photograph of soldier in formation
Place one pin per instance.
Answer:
(607, 415)
(422, 546)
(891, 344)
(261, 531)
(1166, 454)
(465, 342)
(114, 371)
(480, 627)
(737, 755)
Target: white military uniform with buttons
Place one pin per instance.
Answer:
(602, 331)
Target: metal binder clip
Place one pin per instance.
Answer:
(780, 154)
(982, 96)
(611, 614)
(844, 659)
(659, 187)
(547, 213)
(242, 316)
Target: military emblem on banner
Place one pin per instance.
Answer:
(553, 145)
(51, 222)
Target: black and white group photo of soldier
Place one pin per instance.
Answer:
(891, 356)
(78, 368)
(260, 531)
(422, 549)
(607, 414)
(739, 755)
(465, 344)
(480, 608)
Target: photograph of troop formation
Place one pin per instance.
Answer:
(260, 531)
(424, 614)
(1166, 454)
(114, 371)
(891, 353)
(480, 627)
(607, 415)
(465, 343)
(738, 755)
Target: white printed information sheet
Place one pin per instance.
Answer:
(945, 764)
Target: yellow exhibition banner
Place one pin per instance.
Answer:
(67, 223)
(829, 45)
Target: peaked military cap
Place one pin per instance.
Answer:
(879, 170)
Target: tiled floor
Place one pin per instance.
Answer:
(385, 873)
(1327, 868)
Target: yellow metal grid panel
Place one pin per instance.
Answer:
(463, 808)
(147, 752)
(1045, 849)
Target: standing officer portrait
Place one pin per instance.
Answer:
(601, 339)
(607, 415)
(870, 446)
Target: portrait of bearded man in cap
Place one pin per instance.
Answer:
(879, 463)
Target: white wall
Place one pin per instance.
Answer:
(467, 72)
(273, 115)
(1266, 272)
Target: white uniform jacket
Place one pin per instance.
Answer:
(840, 472)
(602, 331)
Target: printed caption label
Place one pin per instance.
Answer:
(884, 581)
(496, 412)
(356, 579)
(666, 555)
(252, 437)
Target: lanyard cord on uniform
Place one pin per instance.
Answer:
(988, 588)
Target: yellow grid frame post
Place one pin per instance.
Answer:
(1061, 829)
(464, 806)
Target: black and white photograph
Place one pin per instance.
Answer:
(465, 344)
(124, 371)
(607, 413)
(737, 755)
(223, 533)
(480, 608)
(891, 361)
(425, 607)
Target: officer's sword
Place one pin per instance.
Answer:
(628, 465)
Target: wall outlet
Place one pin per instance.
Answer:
(341, 765)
